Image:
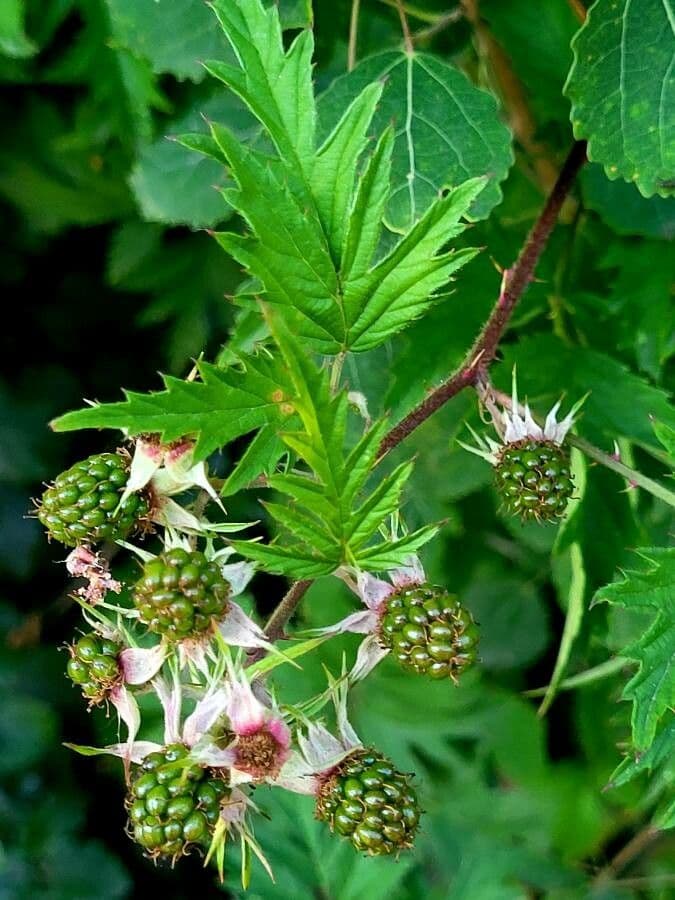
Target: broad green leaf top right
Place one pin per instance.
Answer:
(622, 89)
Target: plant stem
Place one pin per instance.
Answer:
(274, 630)
(426, 34)
(603, 670)
(353, 34)
(514, 284)
(634, 478)
(407, 37)
(634, 848)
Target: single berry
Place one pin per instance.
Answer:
(173, 805)
(93, 666)
(180, 593)
(82, 506)
(533, 477)
(428, 631)
(366, 800)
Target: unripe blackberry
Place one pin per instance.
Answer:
(533, 478)
(93, 665)
(173, 806)
(82, 506)
(366, 800)
(428, 631)
(180, 593)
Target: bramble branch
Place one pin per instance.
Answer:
(482, 353)
(514, 283)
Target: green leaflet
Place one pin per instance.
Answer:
(446, 130)
(328, 522)
(317, 256)
(225, 404)
(652, 689)
(13, 39)
(622, 91)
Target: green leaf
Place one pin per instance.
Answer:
(276, 85)
(335, 163)
(317, 256)
(176, 186)
(652, 689)
(624, 209)
(13, 39)
(660, 751)
(224, 405)
(260, 457)
(447, 130)
(328, 523)
(622, 91)
(402, 285)
(175, 36)
(666, 436)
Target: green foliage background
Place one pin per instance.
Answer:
(110, 278)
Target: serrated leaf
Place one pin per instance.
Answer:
(660, 750)
(176, 186)
(447, 130)
(225, 404)
(316, 257)
(275, 84)
(260, 457)
(623, 93)
(293, 561)
(394, 553)
(652, 689)
(333, 168)
(328, 524)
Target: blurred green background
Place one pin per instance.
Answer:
(107, 278)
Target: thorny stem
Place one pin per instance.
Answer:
(353, 34)
(274, 630)
(482, 353)
(634, 848)
(514, 283)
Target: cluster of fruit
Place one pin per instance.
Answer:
(175, 798)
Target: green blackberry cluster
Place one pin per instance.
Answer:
(93, 665)
(534, 479)
(429, 631)
(82, 506)
(366, 800)
(173, 805)
(180, 593)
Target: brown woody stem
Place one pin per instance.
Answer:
(274, 630)
(514, 283)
